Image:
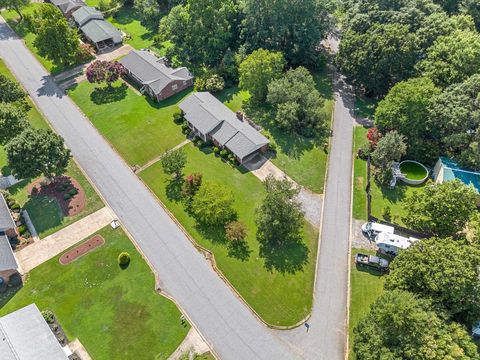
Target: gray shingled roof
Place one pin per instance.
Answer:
(100, 30)
(24, 335)
(152, 71)
(6, 221)
(85, 14)
(7, 259)
(211, 117)
(67, 5)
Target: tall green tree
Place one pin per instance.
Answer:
(294, 28)
(279, 219)
(149, 11)
(445, 271)
(298, 104)
(213, 204)
(391, 147)
(378, 59)
(37, 152)
(452, 58)
(401, 326)
(201, 31)
(258, 70)
(11, 91)
(454, 121)
(441, 210)
(55, 39)
(173, 162)
(16, 5)
(13, 120)
(406, 110)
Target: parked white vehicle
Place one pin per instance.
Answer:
(392, 243)
(373, 228)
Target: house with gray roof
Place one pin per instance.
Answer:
(25, 335)
(7, 225)
(154, 75)
(95, 29)
(8, 262)
(210, 119)
(67, 7)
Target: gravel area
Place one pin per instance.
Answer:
(359, 240)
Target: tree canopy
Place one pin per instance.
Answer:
(11, 91)
(35, 152)
(446, 271)
(13, 120)
(442, 210)
(101, 71)
(298, 104)
(401, 326)
(173, 162)
(391, 147)
(213, 204)
(258, 70)
(55, 39)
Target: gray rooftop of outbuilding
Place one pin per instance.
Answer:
(6, 221)
(100, 30)
(153, 71)
(85, 14)
(67, 5)
(24, 335)
(7, 259)
(210, 116)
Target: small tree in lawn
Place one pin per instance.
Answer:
(173, 162)
(13, 120)
(390, 148)
(235, 231)
(213, 204)
(123, 258)
(105, 72)
(11, 91)
(373, 136)
(191, 184)
(35, 152)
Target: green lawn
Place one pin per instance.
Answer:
(302, 159)
(365, 107)
(139, 36)
(115, 313)
(365, 288)
(46, 214)
(12, 18)
(382, 197)
(282, 295)
(139, 128)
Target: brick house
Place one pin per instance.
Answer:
(211, 120)
(8, 262)
(67, 7)
(154, 75)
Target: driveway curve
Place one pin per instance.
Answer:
(225, 322)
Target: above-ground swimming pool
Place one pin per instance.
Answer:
(414, 172)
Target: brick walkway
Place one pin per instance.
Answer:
(45, 249)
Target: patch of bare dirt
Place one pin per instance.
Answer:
(82, 249)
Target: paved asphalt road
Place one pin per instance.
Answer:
(225, 322)
(328, 331)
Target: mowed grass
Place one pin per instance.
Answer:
(304, 160)
(139, 128)
(279, 298)
(115, 313)
(138, 35)
(365, 288)
(382, 197)
(45, 212)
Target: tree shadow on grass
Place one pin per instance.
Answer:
(394, 195)
(173, 190)
(45, 212)
(239, 250)
(10, 292)
(215, 234)
(106, 95)
(287, 257)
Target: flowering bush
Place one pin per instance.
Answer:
(105, 72)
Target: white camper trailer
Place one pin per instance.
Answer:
(392, 243)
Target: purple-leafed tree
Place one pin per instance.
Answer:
(105, 72)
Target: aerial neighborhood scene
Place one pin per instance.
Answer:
(239, 179)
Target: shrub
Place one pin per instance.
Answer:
(199, 142)
(223, 153)
(235, 231)
(387, 213)
(123, 258)
(214, 83)
(231, 158)
(272, 146)
(22, 229)
(192, 184)
(67, 196)
(216, 151)
(15, 206)
(85, 53)
(178, 118)
(48, 316)
(73, 191)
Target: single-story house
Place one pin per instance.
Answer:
(67, 7)
(393, 243)
(96, 30)
(8, 262)
(7, 225)
(210, 119)
(154, 75)
(446, 169)
(25, 335)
